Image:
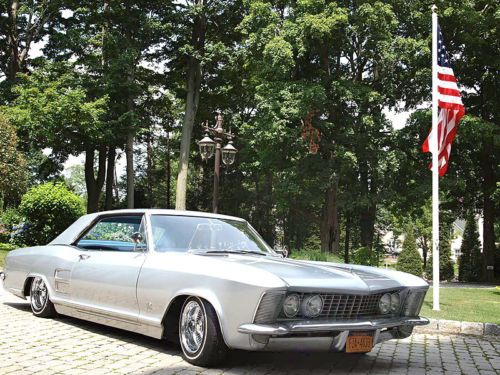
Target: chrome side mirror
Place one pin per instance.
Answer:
(138, 240)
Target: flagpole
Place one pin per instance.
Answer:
(435, 165)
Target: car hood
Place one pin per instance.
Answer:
(324, 276)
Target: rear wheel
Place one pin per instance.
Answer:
(199, 333)
(40, 302)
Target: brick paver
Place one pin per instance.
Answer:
(30, 345)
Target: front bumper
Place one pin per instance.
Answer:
(286, 328)
(325, 335)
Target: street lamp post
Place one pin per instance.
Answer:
(227, 153)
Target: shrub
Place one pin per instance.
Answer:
(8, 219)
(409, 260)
(469, 265)
(6, 247)
(364, 256)
(315, 255)
(446, 271)
(48, 209)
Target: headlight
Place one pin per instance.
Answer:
(384, 305)
(395, 302)
(291, 305)
(312, 305)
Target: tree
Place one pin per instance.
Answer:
(409, 260)
(446, 271)
(22, 23)
(470, 262)
(13, 171)
(53, 109)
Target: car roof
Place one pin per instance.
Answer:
(74, 230)
(161, 211)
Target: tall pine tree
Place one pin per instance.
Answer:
(409, 259)
(470, 259)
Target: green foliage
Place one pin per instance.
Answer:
(446, 267)
(316, 255)
(48, 209)
(8, 219)
(13, 171)
(470, 262)
(54, 109)
(364, 256)
(7, 246)
(409, 260)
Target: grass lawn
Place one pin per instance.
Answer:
(465, 304)
(3, 254)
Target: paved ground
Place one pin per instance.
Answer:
(70, 346)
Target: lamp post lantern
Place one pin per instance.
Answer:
(209, 147)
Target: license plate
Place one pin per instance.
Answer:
(358, 344)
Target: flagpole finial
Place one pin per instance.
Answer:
(434, 8)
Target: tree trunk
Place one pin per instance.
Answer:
(149, 169)
(94, 185)
(192, 100)
(129, 154)
(129, 147)
(329, 228)
(347, 237)
(168, 171)
(13, 42)
(110, 178)
(489, 183)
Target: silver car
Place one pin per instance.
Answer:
(212, 284)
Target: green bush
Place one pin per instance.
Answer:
(364, 256)
(446, 270)
(7, 247)
(8, 219)
(315, 255)
(409, 260)
(469, 264)
(48, 209)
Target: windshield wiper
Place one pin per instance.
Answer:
(228, 252)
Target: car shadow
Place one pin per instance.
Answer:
(255, 362)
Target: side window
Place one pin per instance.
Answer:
(112, 233)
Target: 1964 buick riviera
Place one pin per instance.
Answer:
(210, 282)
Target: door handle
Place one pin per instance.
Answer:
(83, 256)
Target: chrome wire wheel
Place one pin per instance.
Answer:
(193, 326)
(39, 294)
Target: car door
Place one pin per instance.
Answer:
(104, 277)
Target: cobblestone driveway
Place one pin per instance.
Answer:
(70, 346)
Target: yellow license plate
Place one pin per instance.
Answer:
(359, 344)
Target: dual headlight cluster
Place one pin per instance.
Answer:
(389, 303)
(310, 306)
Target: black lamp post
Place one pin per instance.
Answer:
(207, 147)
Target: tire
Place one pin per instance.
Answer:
(200, 336)
(41, 305)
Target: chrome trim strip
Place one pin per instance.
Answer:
(318, 326)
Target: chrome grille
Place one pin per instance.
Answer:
(269, 307)
(344, 306)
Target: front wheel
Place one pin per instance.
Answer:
(199, 333)
(39, 297)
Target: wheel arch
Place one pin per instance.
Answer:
(170, 321)
(29, 280)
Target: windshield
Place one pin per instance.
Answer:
(202, 234)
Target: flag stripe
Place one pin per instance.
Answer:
(451, 109)
(448, 91)
(446, 77)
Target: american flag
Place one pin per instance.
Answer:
(451, 108)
